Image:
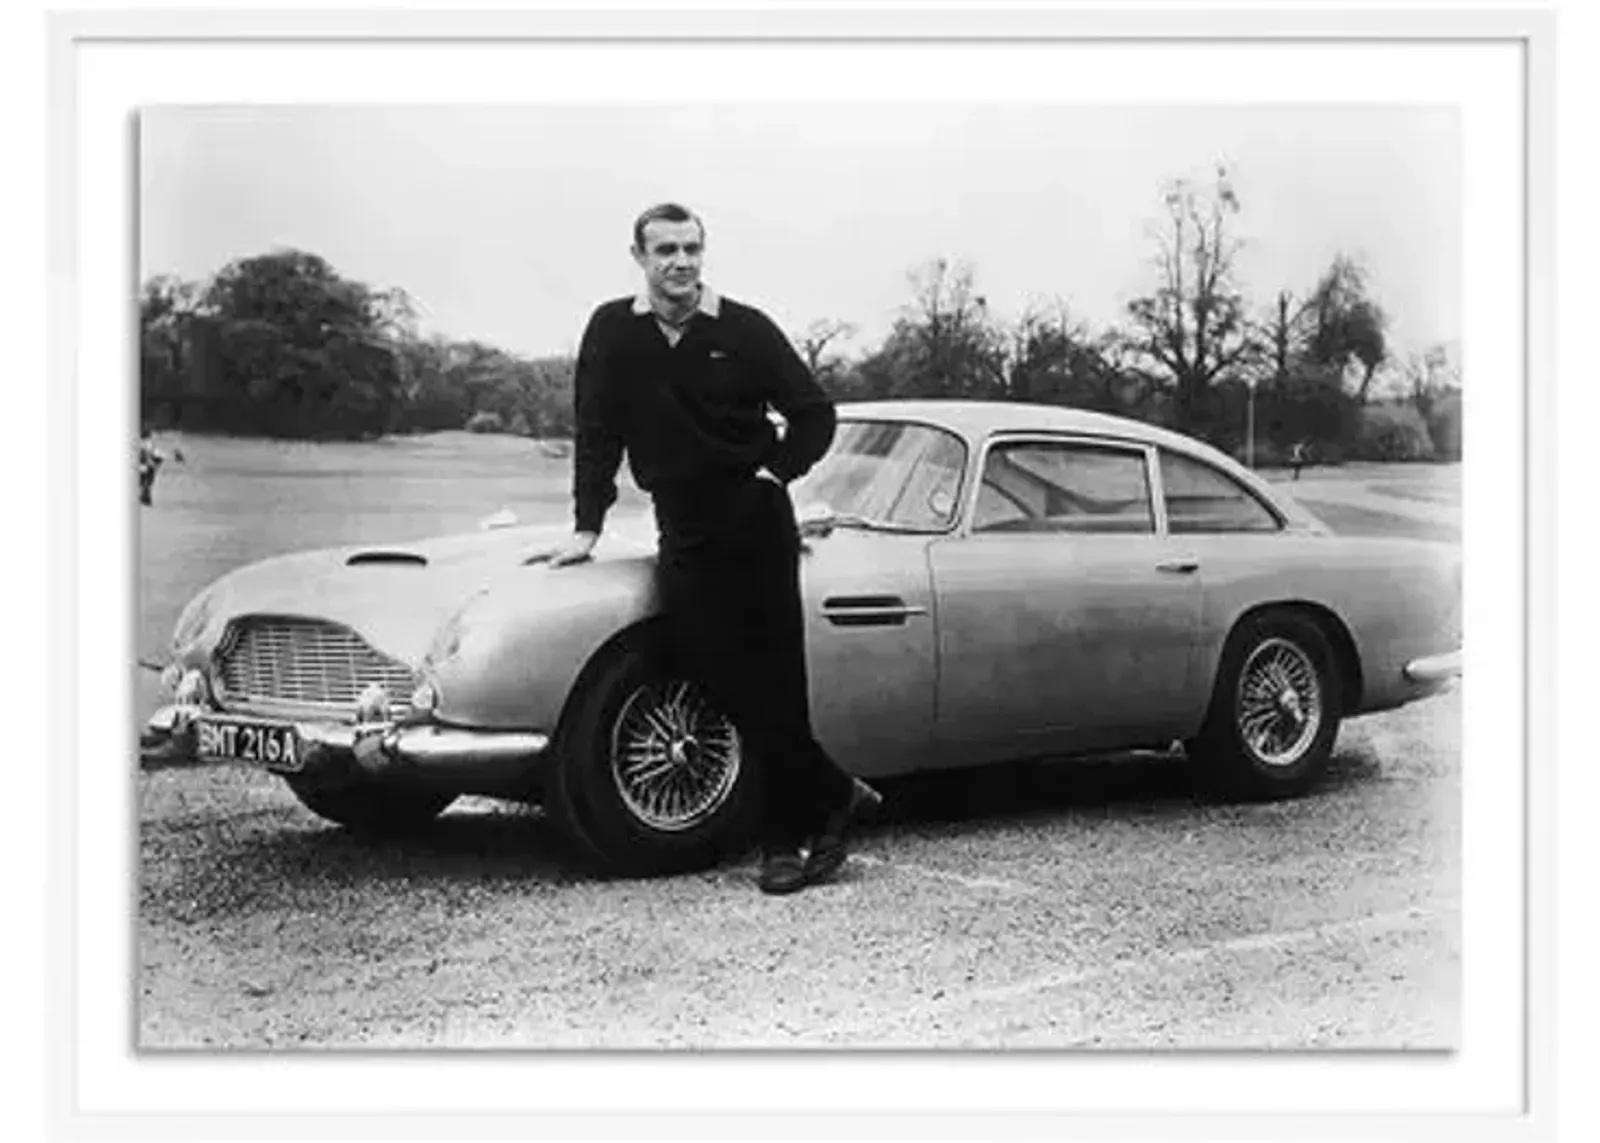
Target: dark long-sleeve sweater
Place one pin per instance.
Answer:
(692, 414)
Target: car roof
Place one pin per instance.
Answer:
(977, 420)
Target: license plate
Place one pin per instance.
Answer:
(274, 745)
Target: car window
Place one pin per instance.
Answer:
(896, 473)
(1065, 487)
(928, 497)
(1201, 498)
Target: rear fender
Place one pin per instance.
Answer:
(1386, 602)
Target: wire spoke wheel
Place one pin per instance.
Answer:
(1280, 704)
(675, 760)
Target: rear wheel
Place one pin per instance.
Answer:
(650, 777)
(1275, 709)
(369, 806)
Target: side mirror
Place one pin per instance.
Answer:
(812, 511)
(814, 519)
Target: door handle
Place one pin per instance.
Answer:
(869, 610)
(1179, 565)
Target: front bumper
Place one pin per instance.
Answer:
(423, 750)
(1434, 670)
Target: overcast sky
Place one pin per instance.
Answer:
(508, 224)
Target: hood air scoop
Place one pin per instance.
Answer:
(389, 559)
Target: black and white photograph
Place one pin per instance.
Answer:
(919, 570)
(947, 575)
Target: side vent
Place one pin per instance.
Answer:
(410, 559)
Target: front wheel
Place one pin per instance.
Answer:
(368, 806)
(650, 776)
(1275, 710)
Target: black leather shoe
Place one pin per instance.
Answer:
(830, 847)
(782, 871)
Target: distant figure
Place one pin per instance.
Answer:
(1297, 457)
(150, 459)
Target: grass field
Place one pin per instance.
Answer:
(233, 501)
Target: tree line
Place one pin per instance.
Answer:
(280, 344)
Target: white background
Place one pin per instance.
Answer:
(1484, 1075)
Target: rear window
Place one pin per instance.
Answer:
(1201, 498)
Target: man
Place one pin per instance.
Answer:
(150, 460)
(681, 380)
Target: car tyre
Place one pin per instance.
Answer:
(370, 807)
(1275, 710)
(650, 778)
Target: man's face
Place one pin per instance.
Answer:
(671, 258)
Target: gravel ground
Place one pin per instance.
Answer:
(1063, 905)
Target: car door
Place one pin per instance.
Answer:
(1066, 617)
(868, 511)
(871, 651)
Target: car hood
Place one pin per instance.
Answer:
(397, 596)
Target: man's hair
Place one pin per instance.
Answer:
(664, 212)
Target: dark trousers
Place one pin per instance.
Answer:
(729, 576)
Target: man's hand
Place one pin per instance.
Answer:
(575, 550)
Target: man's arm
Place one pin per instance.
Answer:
(812, 419)
(596, 450)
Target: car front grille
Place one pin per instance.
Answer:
(309, 663)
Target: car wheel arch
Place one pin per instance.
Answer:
(1339, 638)
(587, 804)
(640, 632)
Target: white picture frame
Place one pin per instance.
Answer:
(95, 1082)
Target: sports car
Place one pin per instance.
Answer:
(982, 583)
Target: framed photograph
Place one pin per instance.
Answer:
(1155, 404)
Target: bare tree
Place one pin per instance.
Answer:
(1193, 326)
(818, 335)
(962, 352)
(1056, 358)
(1429, 376)
(1285, 334)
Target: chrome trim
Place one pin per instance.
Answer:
(429, 744)
(1279, 707)
(169, 736)
(871, 614)
(1002, 437)
(304, 666)
(1434, 668)
(675, 759)
(1157, 486)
